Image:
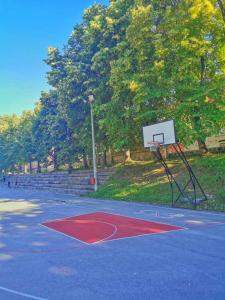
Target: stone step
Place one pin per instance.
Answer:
(72, 178)
(51, 182)
(57, 190)
(14, 178)
(66, 186)
(56, 175)
(77, 182)
(53, 179)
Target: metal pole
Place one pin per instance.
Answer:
(93, 149)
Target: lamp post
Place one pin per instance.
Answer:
(91, 100)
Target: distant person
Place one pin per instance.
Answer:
(4, 178)
(9, 184)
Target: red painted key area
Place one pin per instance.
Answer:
(99, 226)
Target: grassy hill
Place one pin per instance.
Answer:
(147, 182)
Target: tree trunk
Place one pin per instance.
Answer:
(202, 147)
(127, 155)
(30, 167)
(112, 161)
(54, 157)
(105, 158)
(70, 167)
(222, 8)
(85, 161)
(197, 122)
(38, 167)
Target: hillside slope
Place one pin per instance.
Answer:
(147, 182)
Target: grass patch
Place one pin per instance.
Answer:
(147, 182)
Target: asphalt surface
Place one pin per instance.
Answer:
(38, 263)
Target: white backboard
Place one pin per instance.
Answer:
(163, 132)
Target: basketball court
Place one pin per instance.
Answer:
(58, 247)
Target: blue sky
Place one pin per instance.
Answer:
(27, 28)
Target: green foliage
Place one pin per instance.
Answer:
(144, 61)
(16, 140)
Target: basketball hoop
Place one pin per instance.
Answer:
(163, 134)
(153, 146)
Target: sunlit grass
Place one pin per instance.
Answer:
(147, 182)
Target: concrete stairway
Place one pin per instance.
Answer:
(76, 183)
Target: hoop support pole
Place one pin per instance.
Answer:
(192, 177)
(172, 180)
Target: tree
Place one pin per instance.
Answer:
(9, 145)
(179, 65)
(190, 53)
(25, 139)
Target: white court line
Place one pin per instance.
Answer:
(60, 232)
(108, 213)
(115, 230)
(111, 235)
(70, 218)
(95, 221)
(188, 211)
(144, 234)
(20, 294)
(131, 217)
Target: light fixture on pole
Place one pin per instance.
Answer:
(91, 100)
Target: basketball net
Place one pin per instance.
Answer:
(153, 146)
